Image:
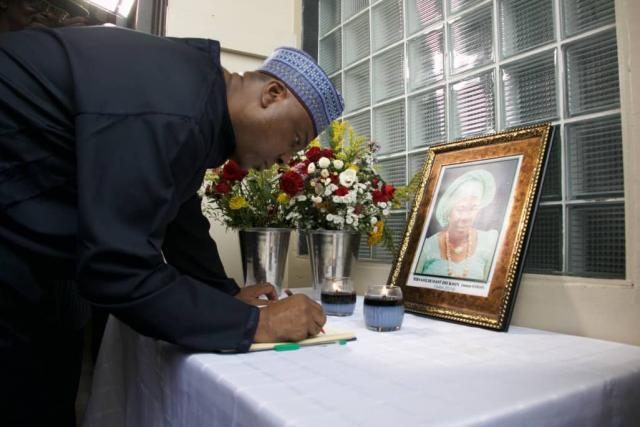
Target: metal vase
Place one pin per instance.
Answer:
(331, 254)
(264, 255)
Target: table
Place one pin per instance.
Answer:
(429, 373)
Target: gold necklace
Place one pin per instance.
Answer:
(447, 245)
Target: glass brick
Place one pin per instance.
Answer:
(544, 254)
(361, 124)
(416, 163)
(351, 7)
(473, 106)
(552, 183)
(388, 76)
(529, 88)
(592, 74)
(594, 151)
(427, 118)
(525, 24)
(393, 170)
(456, 6)
(471, 40)
(331, 52)
(422, 13)
(597, 240)
(388, 127)
(329, 12)
(337, 82)
(356, 87)
(426, 59)
(387, 27)
(583, 15)
(356, 39)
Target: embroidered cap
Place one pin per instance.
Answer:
(308, 82)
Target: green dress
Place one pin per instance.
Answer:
(477, 265)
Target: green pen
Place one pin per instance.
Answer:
(287, 347)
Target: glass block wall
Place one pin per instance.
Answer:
(419, 72)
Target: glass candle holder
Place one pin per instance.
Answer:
(337, 296)
(383, 308)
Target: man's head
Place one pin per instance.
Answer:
(278, 109)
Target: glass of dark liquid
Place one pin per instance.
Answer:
(383, 308)
(337, 296)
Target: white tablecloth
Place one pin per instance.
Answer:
(429, 373)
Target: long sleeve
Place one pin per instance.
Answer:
(134, 172)
(189, 248)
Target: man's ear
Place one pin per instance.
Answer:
(273, 91)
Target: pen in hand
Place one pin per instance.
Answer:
(289, 293)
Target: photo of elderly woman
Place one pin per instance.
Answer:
(465, 223)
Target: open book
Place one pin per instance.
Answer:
(331, 336)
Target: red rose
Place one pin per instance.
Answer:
(222, 187)
(388, 191)
(384, 195)
(233, 172)
(378, 196)
(315, 153)
(342, 191)
(291, 183)
(335, 179)
(358, 209)
(375, 182)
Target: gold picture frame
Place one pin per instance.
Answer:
(463, 248)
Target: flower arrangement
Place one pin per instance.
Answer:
(338, 188)
(333, 188)
(245, 199)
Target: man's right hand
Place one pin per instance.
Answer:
(291, 319)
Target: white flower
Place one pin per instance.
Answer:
(316, 199)
(373, 220)
(330, 217)
(386, 212)
(338, 164)
(324, 173)
(382, 204)
(324, 162)
(349, 219)
(330, 189)
(348, 177)
(301, 198)
(311, 168)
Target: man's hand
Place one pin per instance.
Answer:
(251, 294)
(291, 319)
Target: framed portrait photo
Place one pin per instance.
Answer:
(463, 250)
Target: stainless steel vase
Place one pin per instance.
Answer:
(331, 254)
(264, 255)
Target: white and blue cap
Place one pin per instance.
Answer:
(308, 82)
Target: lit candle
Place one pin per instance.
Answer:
(338, 297)
(383, 308)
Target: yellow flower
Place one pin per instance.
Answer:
(314, 143)
(283, 198)
(238, 202)
(354, 167)
(376, 234)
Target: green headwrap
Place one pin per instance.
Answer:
(478, 182)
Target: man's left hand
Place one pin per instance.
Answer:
(251, 294)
